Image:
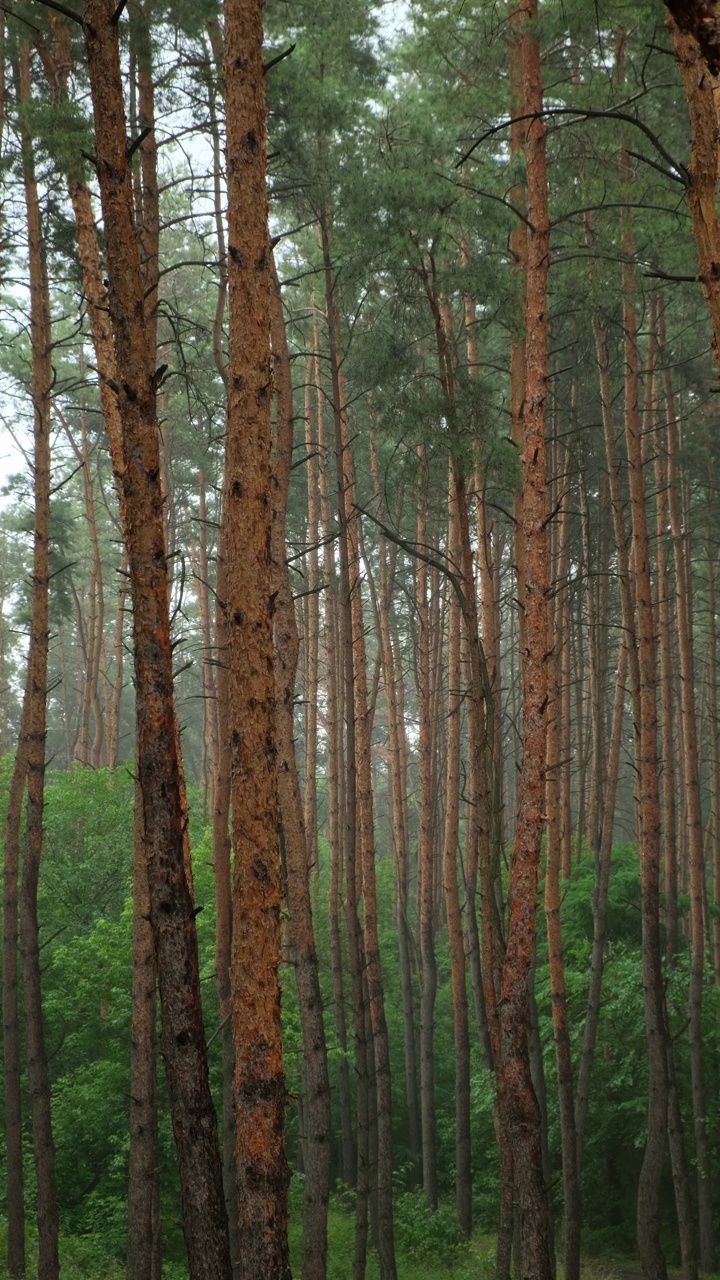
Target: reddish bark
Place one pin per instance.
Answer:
(336, 817)
(648, 1210)
(463, 1171)
(171, 907)
(694, 830)
(259, 1092)
(522, 1114)
(694, 50)
(15, 1190)
(35, 715)
(316, 1101)
(425, 859)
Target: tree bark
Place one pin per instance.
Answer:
(312, 635)
(259, 1091)
(522, 1117)
(702, 172)
(428, 987)
(35, 713)
(171, 907)
(648, 1204)
(463, 1168)
(694, 829)
(336, 816)
(316, 1108)
(399, 818)
(556, 959)
(600, 903)
(15, 1188)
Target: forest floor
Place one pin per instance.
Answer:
(82, 1258)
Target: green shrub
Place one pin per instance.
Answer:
(419, 1233)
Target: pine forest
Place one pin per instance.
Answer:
(360, 639)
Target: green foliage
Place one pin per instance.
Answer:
(424, 1236)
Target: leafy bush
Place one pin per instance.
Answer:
(421, 1234)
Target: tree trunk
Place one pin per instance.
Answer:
(259, 1093)
(694, 829)
(714, 730)
(210, 701)
(702, 172)
(600, 903)
(143, 1183)
(355, 707)
(35, 714)
(15, 1190)
(316, 1108)
(556, 959)
(313, 626)
(392, 677)
(522, 1120)
(648, 1210)
(223, 898)
(428, 987)
(334, 688)
(171, 907)
(463, 1168)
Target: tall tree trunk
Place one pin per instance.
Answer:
(599, 906)
(702, 172)
(556, 959)
(376, 1000)
(172, 911)
(223, 897)
(522, 1118)
(15, 1189)
(648, 1210)
(313, 624)
(425, 856)
(392, 677)
(665, 618)
(143, 1183)
(259, 1094)
(714, 731)
(316, 1109)
(35, 713)
(336, 817)
(210, 700)
(463, 1168)
(349, 567)
(694, 828)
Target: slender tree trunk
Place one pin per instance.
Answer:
(714, 731)
(428, 987)
(143, 1227)
(210, 713)
(702, 172)
(15, 1189)
(648, 1210)
(313, 626)
(600, 904)
(316, 1109)
(398, 797)
(522, 1118)
(561, 1030)
(352, 841)
(380, 1045)
(333, 681)
(691, 755)
(259, 1092)
(463, 1167)
(665, 619)
(35, 714)
(171, 906)
(223, 900)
